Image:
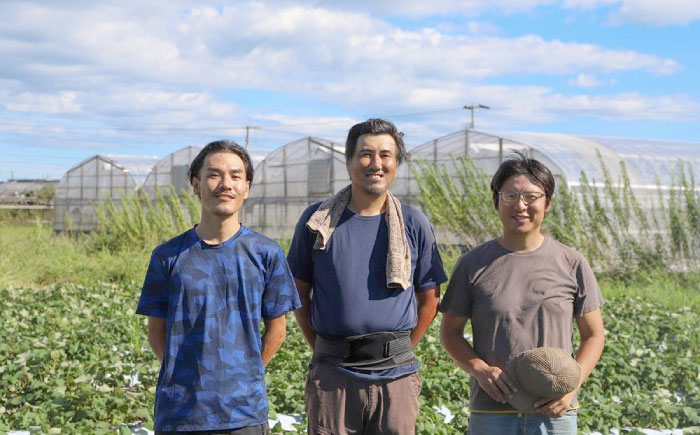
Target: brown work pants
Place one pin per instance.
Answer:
(338, 405)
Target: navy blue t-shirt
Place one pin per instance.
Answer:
(214, 298)
(348, 278)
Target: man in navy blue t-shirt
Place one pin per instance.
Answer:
(368, 273)
(205, 293)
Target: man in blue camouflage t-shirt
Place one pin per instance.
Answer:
(205, 294)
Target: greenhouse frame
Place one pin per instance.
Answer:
(171, 170)
(290, 179)
(311, 169)
(95, 180)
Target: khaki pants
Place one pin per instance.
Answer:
(339, 405)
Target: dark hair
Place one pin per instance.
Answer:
(520, 164)
(375, 126)
(226, 146)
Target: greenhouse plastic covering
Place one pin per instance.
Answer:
(97, 179)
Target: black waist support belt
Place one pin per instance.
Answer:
(376, 351)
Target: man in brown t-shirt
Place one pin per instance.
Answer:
(521, 291)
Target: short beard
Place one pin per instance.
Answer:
(374, 191)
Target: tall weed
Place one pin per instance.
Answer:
(136, 221)
(606, 219)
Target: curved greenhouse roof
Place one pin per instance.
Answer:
(291, 178)
(171, 170)
(647, 161)
(96, 179)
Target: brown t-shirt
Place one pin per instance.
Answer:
(519, 301)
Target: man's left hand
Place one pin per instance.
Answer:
(557, 407)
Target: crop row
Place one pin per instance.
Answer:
(76, 358)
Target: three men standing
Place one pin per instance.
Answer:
(368, 275)
(205, 294)
(368, 293)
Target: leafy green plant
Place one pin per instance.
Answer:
(137, 221)
(79, 361)
(604, 219)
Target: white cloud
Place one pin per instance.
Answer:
(659, 13)
(402, 8)
(60, 103)
(628, 106)
(647, 12)
(482, 28)
(588, 4)
(133, 66)
(584, 80)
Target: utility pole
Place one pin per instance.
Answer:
(473, 107)
(247, 133)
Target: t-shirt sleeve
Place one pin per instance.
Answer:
(280, 295)
(429, 272)
(457, 300)
(299, 256)
(588, 296)
(154, 294)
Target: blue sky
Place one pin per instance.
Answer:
(133, 77)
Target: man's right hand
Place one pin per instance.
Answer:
(495, 382)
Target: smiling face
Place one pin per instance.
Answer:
(518, 218)
(373, 166)
(221, 184)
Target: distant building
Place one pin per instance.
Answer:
(26, 192)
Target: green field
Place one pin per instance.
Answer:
(75, 357)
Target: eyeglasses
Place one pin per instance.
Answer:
(528, 197)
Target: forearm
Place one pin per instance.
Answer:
(590, 326)
(303, 314)
(462, 352)
(588, 354)
(428, 302)
(158, 348)
(272, 339)
(156, 336)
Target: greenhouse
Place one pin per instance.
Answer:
(650, 164)
(171, 170)
(291, 178)
(99, 178)
(310, 169)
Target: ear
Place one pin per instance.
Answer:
(195, 185)
(548, 204)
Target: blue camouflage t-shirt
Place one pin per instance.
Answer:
(214, 298)
(348, 278)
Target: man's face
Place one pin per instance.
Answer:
(221, 185)
(517, 217)
(373, 165)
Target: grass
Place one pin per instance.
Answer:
(34, 256)
(669, 290)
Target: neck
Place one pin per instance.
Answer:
(213, 229)
(521, 242)
(366, 204)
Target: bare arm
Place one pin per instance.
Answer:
(590, 326)
(491, 379)
(303, 314)
(428, 302)
(275, 333)
(156, 336)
